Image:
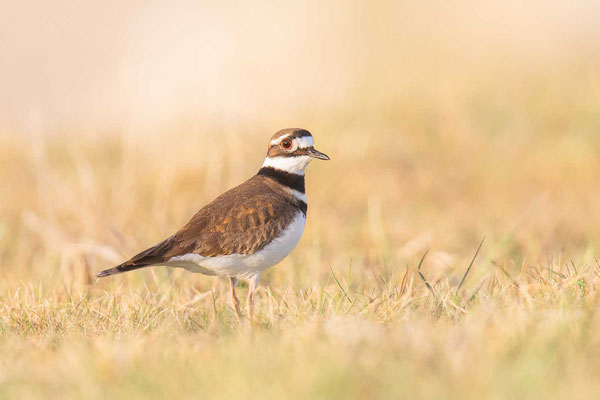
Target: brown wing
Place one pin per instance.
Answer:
(241, 221)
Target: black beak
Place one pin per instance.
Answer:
(317, 154)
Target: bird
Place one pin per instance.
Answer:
(247, 229)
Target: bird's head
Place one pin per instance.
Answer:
(291, 150)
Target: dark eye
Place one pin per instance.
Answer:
(286, 144)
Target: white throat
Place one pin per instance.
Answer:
(293, 165)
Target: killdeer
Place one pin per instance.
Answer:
(247, 229)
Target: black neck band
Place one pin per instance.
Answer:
(302, 206)
(292, 181)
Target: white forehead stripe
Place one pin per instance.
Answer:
(304, 142)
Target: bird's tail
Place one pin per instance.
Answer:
(152, 256)
(118, 270)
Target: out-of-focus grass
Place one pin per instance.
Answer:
(443, 138)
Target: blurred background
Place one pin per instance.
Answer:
(446, 122)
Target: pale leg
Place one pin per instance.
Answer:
(236, 302)
(252, 284)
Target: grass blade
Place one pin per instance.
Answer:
(423, 276)
(339, 284)
(470, 265)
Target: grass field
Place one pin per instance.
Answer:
(499, 142)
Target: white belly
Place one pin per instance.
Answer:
(242, 265)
